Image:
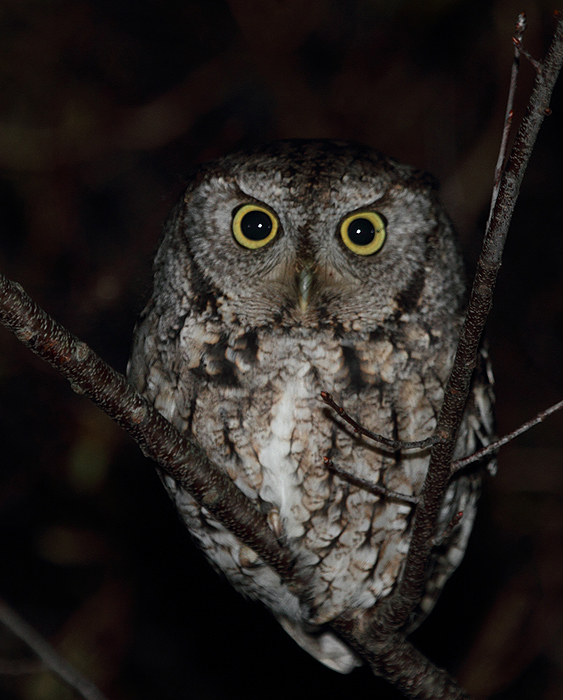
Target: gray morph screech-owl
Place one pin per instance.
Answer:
(287, 270)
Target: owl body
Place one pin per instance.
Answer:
(248, 324)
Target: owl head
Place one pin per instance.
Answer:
(302, 234)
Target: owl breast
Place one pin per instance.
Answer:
(255, 405)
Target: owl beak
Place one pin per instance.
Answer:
(305, 284)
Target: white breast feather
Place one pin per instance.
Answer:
(280, 485)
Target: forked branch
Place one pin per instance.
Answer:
(395, 610)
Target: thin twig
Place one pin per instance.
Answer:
(368, 485)
(392, 444)
(519, 30)
(454, 522)
(494, 446)
(399, 444)
(518, 42)
(48, 654)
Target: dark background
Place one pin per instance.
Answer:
(104, 106)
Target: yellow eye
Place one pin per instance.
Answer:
(363, 232)
(254, 226)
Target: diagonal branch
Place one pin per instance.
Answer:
(395, 610)
(47, 653)
(497, 444)
(179, 457)
(395, 658)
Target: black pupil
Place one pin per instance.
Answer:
(256, 225)
(361, 231)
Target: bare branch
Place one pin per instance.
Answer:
(517, 40)
(392, 444)
(48, 654)
(454, 522)
(179, 457)
(421, 444)
(519, 30)
(400, 662)
(395, 610)
(494, 446)
(368, 485)
(89, 375)
(393, 657)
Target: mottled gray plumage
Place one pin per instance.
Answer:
(237, 343)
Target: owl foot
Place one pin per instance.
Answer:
(274, 521)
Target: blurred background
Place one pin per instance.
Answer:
(104, 107)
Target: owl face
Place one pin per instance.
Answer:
(303, 233)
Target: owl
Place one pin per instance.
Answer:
(289, 269)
